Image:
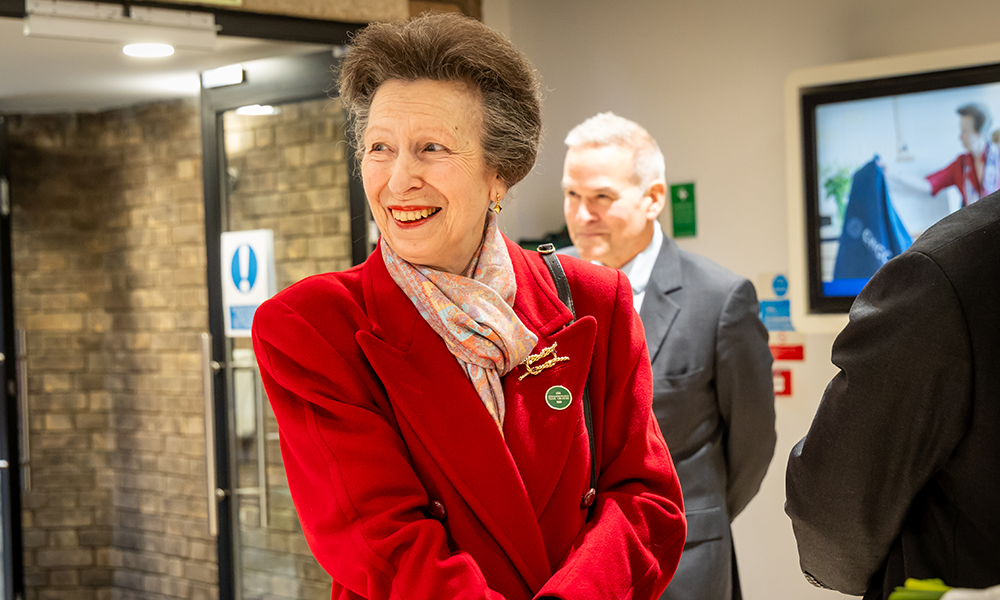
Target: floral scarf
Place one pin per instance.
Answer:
(472, 313)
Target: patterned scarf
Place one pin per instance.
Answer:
(472, 313)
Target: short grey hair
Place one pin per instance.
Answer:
(980, 115)
(608, 129)
(451, 47)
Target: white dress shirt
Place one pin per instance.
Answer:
(640, 268)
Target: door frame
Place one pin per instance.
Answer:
(267, 81)
(10, 474)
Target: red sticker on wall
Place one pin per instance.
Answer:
(782, 382)
(788, 352)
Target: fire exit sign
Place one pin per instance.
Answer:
(682, 210)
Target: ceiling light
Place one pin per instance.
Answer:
(103, 22)
(148, 50)
(222, 76)
(256, 110)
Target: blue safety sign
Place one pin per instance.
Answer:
(244, 268)
(780, 285)
(247, 277)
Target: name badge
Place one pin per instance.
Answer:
(558, 397)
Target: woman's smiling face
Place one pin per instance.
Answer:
(424, 174)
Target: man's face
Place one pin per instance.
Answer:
(608, 213)
(971, 139)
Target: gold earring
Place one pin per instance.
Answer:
(496, 206)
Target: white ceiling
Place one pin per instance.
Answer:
(40, 75)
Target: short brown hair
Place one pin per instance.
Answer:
(980, 115)
(450, 47)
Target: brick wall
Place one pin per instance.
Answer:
(288, 173)
(109, 275)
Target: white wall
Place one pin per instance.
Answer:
(706, 78)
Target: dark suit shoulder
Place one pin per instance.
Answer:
(964, 247)
(578, 270)
(974, 227)
(596, 290)
(568, 251)
(707, 275)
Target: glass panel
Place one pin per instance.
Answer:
(287, 172)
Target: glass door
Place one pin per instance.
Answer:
(282, 165)
(12, 573)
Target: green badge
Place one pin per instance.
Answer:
(558, 397)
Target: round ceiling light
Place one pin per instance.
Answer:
(148, 50)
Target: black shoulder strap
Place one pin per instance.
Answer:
(548, 252)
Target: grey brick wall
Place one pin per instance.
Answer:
(289, 174)
(109, 269)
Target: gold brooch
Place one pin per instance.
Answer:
(529, 363)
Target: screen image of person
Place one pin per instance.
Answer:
(881, 160)
(713, 389)
(977, 172)
(430, 399)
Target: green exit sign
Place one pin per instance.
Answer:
(682, 208)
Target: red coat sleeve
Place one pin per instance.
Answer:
(631, 545)
(948, 176)
(359, 501)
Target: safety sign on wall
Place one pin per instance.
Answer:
(247, 277)
(682, 209)
(782, 382)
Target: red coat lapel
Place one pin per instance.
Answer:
(427, 388)
(506, 483)
(538, 436)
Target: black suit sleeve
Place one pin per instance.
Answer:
(887, 422)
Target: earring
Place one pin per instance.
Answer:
(496, 206)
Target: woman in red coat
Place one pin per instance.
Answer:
(429, 400)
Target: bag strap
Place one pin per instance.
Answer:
(548, 253)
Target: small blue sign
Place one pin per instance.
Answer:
(779, 285)
(776, 315)
(244, 272)
(241, 317)
(247, 274)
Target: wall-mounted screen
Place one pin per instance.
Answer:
(884, 160)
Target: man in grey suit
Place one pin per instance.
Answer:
(899, 475)
(713, 387)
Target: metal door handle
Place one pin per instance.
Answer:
(214, 494)
(21, 352)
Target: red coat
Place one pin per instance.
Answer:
(402, 482)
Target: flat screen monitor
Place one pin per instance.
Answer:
(886, 158)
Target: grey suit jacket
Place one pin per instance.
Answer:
(713, 397)
(899, 475)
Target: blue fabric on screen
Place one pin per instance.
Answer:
(872, 231)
